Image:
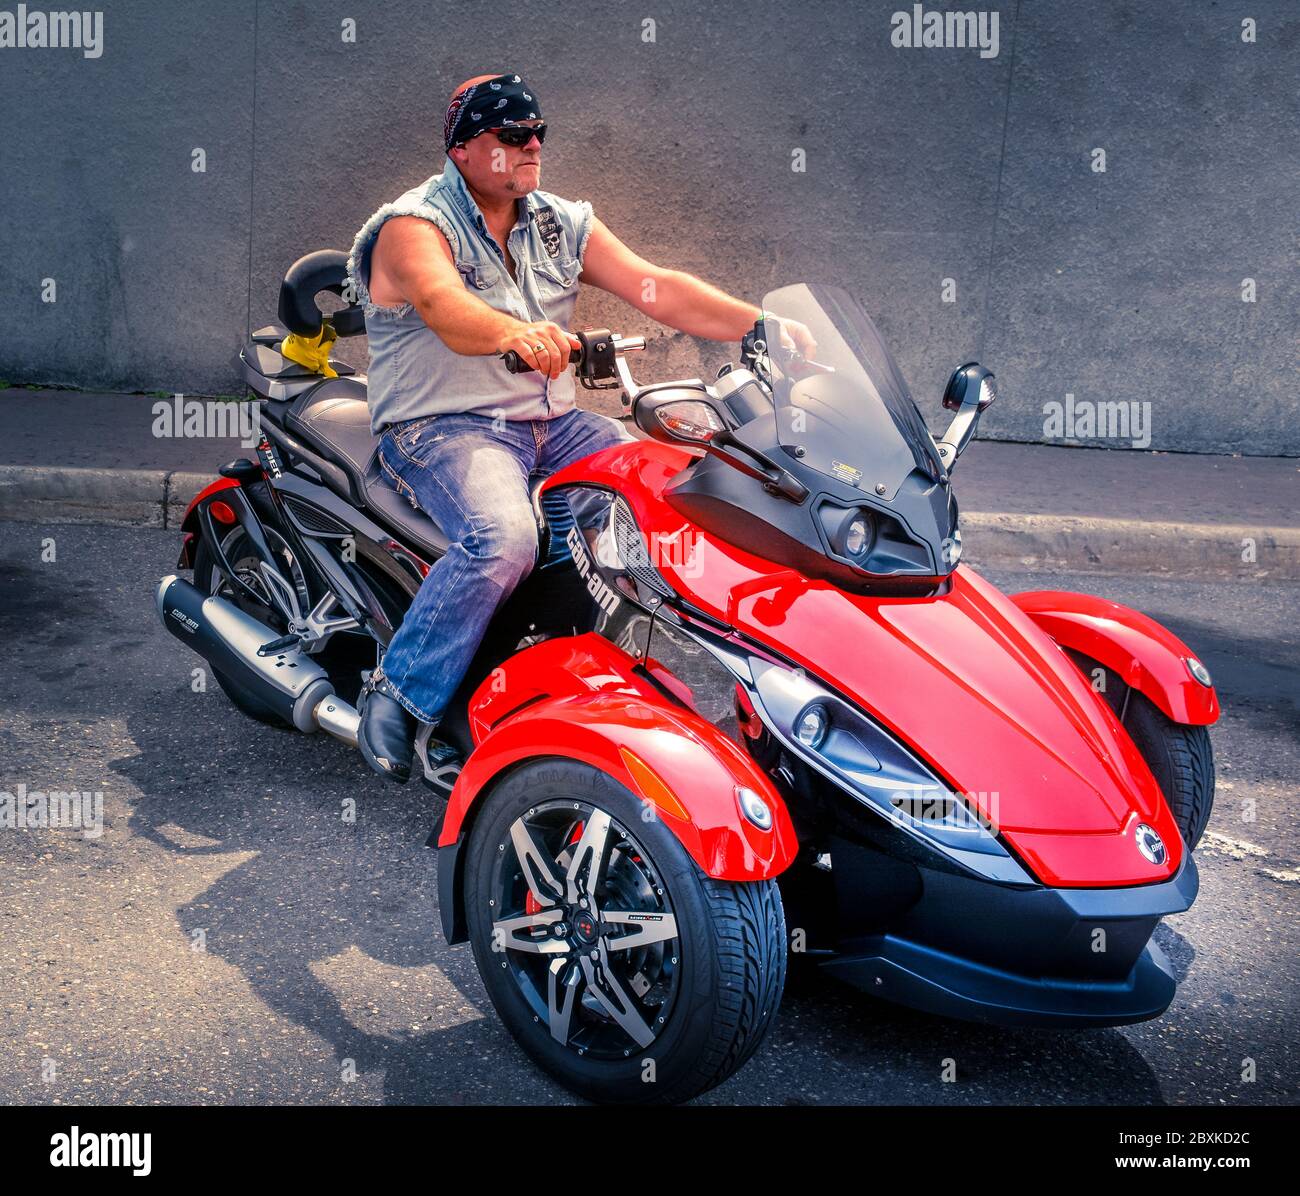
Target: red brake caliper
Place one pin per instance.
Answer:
(531, 904)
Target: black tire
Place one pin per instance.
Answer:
(1182, 761)
(718, 982)
(1180, 757)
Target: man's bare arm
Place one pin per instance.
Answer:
(412, 263)
(672, 297)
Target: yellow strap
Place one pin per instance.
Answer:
(312, 352)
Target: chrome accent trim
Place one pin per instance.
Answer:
(315, 629)
(163, 587)
(630, 388)
(278, 589)
(334, 716)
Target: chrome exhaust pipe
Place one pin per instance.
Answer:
(336, 717)
(289, 683)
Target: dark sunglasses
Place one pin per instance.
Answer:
(518, 136)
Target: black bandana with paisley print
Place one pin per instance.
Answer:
(493, 104)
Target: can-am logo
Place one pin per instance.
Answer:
(921, 30)
(603, 596)
(23, 30)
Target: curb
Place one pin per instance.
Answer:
(1188, 550)
(158, 499)
(116, 497)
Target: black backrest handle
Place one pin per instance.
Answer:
(324, 270)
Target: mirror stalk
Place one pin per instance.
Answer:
(969, 391)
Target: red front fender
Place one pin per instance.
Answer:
(1144, 654)
(579, 697)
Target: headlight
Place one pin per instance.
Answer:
(811, 728)
(849, 530)
(754, 808)
(844, 745)
(858, 537)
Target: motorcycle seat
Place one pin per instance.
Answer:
(333, 420)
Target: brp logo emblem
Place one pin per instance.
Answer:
(1151, 845)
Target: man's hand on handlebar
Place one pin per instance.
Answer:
(794, 347)
(543, 345)
(797, 338)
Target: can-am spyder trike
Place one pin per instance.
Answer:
(747, 690)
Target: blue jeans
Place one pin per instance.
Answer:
(471, 475)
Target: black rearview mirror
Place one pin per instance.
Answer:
(969, 391)
(970, 380)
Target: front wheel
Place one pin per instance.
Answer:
(618, 966)
(1180, 757)
(1181, 760)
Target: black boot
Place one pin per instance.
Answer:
(386, 735)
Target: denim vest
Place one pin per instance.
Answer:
(412, 372)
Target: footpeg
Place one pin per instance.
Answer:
(441, 761)
(283, 644)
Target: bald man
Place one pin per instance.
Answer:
(472, 262)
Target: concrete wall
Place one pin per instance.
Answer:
(922, 165)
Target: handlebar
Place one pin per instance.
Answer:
(595, 359)
(517, 365)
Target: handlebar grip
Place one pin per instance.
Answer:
(517, 365)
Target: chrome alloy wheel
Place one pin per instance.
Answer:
(585, 926)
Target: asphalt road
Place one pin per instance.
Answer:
(232, 938)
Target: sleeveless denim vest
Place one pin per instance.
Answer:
(412, 372)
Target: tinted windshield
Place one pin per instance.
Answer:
(838, 392)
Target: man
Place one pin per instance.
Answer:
(471, 263)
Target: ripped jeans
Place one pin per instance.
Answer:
(473, 480)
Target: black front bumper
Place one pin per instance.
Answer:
(1023, 957)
